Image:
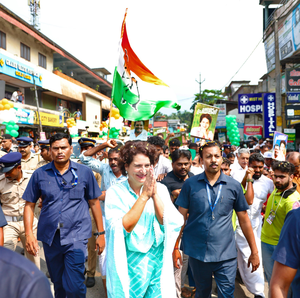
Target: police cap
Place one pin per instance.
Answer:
(9, 161)
(24, 141)
(86, 142)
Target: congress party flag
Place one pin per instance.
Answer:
(137, 92)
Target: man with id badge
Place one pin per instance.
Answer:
(280, 202)
(67, 189)
(208, 237)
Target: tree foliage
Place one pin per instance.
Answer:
(208, 97)
(183, 116)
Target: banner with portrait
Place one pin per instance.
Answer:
(279, 145)
(204, 122)
(139, 130)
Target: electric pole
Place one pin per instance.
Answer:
(200, 83)
(34, 6)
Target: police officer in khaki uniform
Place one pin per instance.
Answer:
(7, 144)
(12, 187)
(45, 153)
(86, 144)
(29, 160)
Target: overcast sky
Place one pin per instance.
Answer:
(176, 40)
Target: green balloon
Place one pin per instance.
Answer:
(16, 127)
(14, 133)
(11, 122)
(10, 127)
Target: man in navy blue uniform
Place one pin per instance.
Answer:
(287, 257)
(67, 190)
(208, 239)
(20, 278)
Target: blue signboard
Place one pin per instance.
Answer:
(19, 70)
(269, 115)
(250, 103)
(293, 97)
(25, 116)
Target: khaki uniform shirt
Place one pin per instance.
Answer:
(11, 193)
(41, 163)
(30, 164)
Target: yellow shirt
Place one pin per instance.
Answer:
(282, 205)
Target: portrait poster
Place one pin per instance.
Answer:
(139, 130)
(204, 122)
(162, 130)
(279, 146)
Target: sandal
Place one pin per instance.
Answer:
(185, 293)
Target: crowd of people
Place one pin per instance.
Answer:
(156, 212)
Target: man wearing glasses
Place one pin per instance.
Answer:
(67, 190)
(294, 158)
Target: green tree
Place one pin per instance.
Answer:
(208, 97)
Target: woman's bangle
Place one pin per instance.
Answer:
(28, 234)
(176, 248)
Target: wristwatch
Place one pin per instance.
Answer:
(250, 180)
(99, 233)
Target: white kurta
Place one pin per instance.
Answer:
(253, 281)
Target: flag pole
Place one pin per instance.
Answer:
(109, 118)
(122, 30)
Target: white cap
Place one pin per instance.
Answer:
(268, 154)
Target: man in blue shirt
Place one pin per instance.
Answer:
(20, 278)
(67, 190)
(287, 257)
(111, 174)
(208, 237)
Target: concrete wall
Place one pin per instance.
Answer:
(14, 37)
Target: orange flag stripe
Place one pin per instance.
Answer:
(133, 63)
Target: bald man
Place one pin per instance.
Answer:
(294, 158)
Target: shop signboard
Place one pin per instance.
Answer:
(292, 112)
(19, 70)
(49, 119)
(292, 80)
(291, 133)
(293, 97)
(269, 44)
(221, 120)
(269, 114)
(25, 116)
(252, 131)
(285, 38)
(250, 103)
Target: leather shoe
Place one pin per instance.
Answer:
(90, 282)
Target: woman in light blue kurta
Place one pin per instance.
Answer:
(142, 226)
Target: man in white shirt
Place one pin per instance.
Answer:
(262, 186)
(162, 166)
(15, 95)
(138, 133)
(239, 168)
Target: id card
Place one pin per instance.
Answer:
(271, 217)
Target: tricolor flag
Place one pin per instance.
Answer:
(137, 92)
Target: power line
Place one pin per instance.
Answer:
(243, 64)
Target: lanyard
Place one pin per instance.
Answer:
(212, 208)
(64, 183)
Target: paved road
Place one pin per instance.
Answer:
(98, 292)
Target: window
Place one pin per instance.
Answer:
(42, 60)
(2, 40)
(25, 52)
